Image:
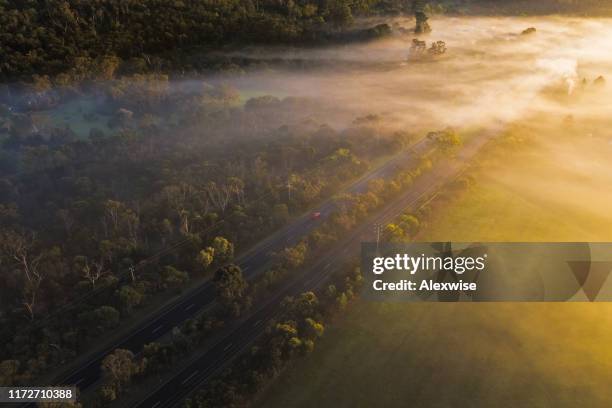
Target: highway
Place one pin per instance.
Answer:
(252, 263)
(172, 392)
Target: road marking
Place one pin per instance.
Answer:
(190, 306)
(257, 323)
(156, 404)
(269, 244)
(326, 267)
(190, 377)
(157, 328)
(320, 280)
(78, 382)
(227, 347)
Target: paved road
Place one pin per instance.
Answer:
(252, 263)
(217, 357)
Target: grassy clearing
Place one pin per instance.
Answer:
(480, 355)
(80, 115)
(547, 191)
(456, 355)
(491, 211)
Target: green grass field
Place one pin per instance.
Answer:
(456, 355)
(477, 355)
(491, 211)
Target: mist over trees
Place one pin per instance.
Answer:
(175, 182)
(165, 196)
(99, 38)
(54, 36)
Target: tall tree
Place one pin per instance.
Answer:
(422, 26)
(119, 367)
(19, 247)
(231, 288)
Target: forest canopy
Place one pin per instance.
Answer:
(48, 36)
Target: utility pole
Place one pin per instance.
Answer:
(418, 8)
(289, 189)
(378, 230)
(132, 270)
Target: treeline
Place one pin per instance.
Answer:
(235, 295)
(108, 222)
(49, 37)
(293, 333)
(301, 320)
(586, 8)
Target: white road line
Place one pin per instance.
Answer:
(190, 306)
(190, 377)
(307, 283)
(79, 381)
(156, 404)
(227, 347)
(157, 328)
(257, 323)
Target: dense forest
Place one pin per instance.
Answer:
(52, 36)
(183, 179)
(178, 177)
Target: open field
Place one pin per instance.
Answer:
(456, 355)
(481, 355)
(547, 194)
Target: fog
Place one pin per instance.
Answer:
(490, 77)
(490, 74)
(540, 87)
